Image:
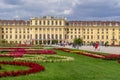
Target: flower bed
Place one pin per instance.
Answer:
(18, 52)
(93, 54)
(12, 54)
(40, 52)
(63, 49)
(24, 45)
(112, 56)
(34, 68)
(45, 58)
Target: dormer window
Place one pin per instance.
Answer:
(110, 24)
(116, 24)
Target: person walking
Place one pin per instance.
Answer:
(96, 46)
(100, 46)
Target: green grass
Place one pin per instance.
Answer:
(82, 68)
(12, 68)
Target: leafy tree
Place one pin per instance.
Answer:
(54, 41)
(4, 41)
(78, 41)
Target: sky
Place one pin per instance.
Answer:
(71, 9)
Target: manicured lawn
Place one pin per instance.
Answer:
(82, 68)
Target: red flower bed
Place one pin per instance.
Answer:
(24, 45)
(119, 61)
(40, 52)
(92, 55)
(34, 68)
(63, 49)
(112, 56)
(12, 49)
(18, 52)
(10, 55)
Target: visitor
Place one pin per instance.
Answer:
(100, 46)
(93, 44)
(96, 46)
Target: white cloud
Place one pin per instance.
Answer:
(67, 12)
(74, 8)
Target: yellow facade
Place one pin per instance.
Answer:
(46, 29)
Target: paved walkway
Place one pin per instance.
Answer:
(111, 50)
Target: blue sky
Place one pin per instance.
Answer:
(72, 9)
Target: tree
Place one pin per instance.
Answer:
(78, 41)
(4, 41)
(54, 41)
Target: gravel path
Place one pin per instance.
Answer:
(111, 50)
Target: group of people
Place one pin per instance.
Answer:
(97, 46)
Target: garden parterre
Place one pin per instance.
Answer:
(34, 68)
(80, 66)
(32, 55)
(92, 54)
(45, 58)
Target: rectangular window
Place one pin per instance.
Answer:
(60, 23)
(84, 36)
(98, 37)
(35, 22)
(23, 36)
(52, 36)
(91, 37)
(102, 37)
(36, 28)
(113, 29)
(40, 22)
(71, 37)
(43, 22)
(56, 29)
(40, 37)
(10, 36)
(2, 36)
(87, 37)
(27, 36)
(52, 22)
(107, 37)
(23, 31)
(15, 36)
(52, 29)
(6, 36)
(48, 36)
(19, 36)
(48, 23)
(56, 23)
(60, 37)
(60, 29)
(48, 29)
(39, 28)
(44, 37)
(36, 37)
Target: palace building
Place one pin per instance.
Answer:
(39, 30)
